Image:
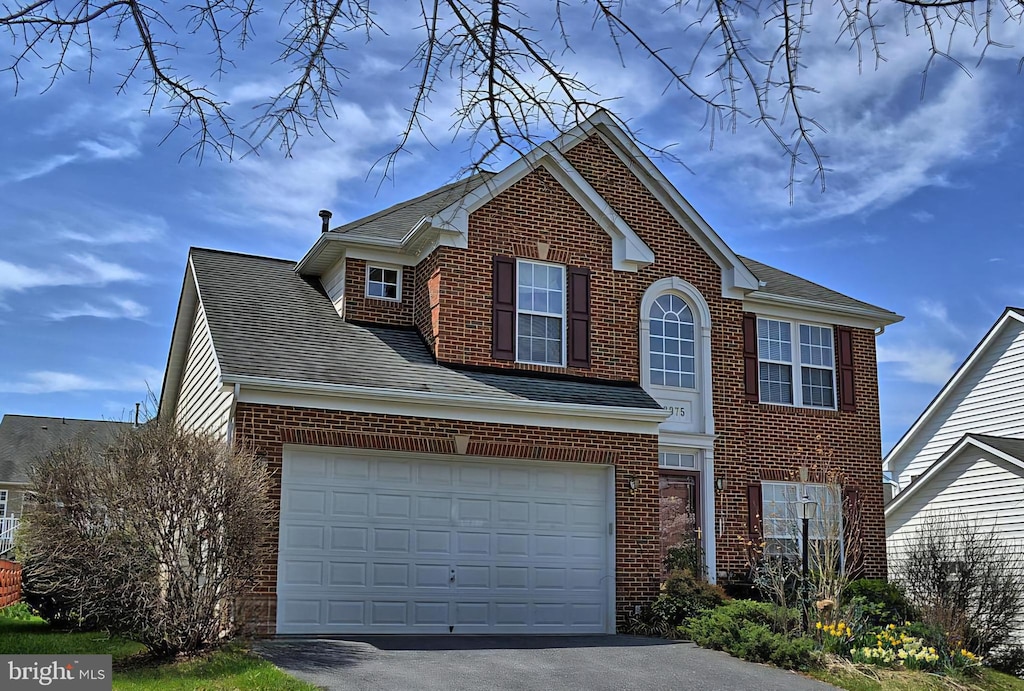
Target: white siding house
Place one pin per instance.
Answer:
(963, 460)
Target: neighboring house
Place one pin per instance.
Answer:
(23, 439)
(478, 402)
(963, 459)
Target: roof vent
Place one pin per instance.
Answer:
(325, 216)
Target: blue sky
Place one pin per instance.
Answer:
(922, 213)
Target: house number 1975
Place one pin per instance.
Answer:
(676, 411)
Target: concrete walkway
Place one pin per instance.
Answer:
(551, 663)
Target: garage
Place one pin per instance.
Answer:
(374, 542)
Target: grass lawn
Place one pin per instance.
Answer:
(229, 668)
(890, 680)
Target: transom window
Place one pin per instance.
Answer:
(672, 343)
(782, 520)
(383, 283)
(540, 313)
(806, 381)
(677, 461)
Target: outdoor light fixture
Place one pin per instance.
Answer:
(720, 484)
(634, 483)
(808, 509)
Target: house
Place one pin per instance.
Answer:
(23, 439)
(963, 459)
(478, 402)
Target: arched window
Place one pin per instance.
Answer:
(672, 343)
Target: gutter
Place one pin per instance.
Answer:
(883, 317)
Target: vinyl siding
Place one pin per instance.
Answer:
(15, 497)
(989, 400)
(203, 403)
(987, 493)
(333, 281)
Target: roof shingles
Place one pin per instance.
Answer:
(24, 438)
(268, 321)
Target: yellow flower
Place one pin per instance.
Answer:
(818, 625)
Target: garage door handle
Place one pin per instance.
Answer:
(451, 576)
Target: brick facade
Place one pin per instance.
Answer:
(447, 298)
(269, 428)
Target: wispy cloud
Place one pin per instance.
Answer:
(922, 364)
(76, 270)
(40, 168)
(922, 216)
(835, 243)
(128, 378)
(287, 193)
(114, 308)
(104, 149)
(114, 231)
(937, 312)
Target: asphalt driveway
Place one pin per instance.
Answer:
(457, 663)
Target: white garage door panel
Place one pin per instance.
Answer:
(390, 545)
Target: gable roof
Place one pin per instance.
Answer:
(1007, 449)
(395, 222)
(24, 438)
(781, 284)
(445, 211)
(1010, 314)
(269, 322)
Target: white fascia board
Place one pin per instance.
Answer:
(812, 310)
(446, 406)
(629, 252)
(947, 391)
(935, 468)
(181, 336)
(735, 274)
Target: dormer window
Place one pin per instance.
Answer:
(383, 283)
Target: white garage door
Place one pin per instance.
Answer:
(405, 544)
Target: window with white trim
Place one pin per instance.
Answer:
(3, 503)
(782, 520)
(802, 376)
(673, 362)
(540, 313)
(383, 283)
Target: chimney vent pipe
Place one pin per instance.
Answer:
(325, 216)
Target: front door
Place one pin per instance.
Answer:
(680, 523)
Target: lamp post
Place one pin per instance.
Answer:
(808, 507)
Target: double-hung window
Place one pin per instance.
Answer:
(803, 375)
(3, 503)
(540, 313)
(782, 520)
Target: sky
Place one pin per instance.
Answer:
(921, 214)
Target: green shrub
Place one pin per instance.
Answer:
(754, 631)
(879, 601)
(19, 611)
(685, 596)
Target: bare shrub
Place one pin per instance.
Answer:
(965, 580)
(152, 539)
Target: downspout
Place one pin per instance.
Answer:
(231, 417)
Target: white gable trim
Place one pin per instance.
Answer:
(977, 354)
(629, 252)
(946, 458)
(736, 277)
